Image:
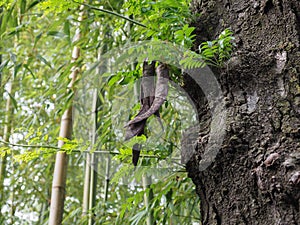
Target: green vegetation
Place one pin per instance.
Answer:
(36, 44)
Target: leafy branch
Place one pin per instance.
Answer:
(123, 152)
(111, 13)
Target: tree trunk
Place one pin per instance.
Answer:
(255, 177)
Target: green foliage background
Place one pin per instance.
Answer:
(36, 42)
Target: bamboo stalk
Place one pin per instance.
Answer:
(61, 161)
(107, 180)
(147, 199)
(86, 188)
(1, 10)
(88, 170)
(94, 158)
(93, 166)
(60, 172)
(12, 198)
(93, 187)
(6, 135)
(108, 157)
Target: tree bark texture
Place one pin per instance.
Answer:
(255, 178)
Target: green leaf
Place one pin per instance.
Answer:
(37, 38)
(30, 71)
(56, 34)
(13, 57)
(15, 104)
(113, 79)
(3, 65)
(4, 151)
(22, 6)
(43, 60)
(17, 68)
(32, 4)
(67, 31)
(66, 140)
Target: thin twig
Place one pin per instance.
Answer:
(68, 150)
(112, 13)
(54, 147)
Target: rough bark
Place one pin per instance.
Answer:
(255, 178)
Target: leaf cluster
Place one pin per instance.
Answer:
(216, 52)
(166, 20)
(173, 202)
(58, 6)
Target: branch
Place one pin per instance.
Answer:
(54, 147)
(64, 149)
(112, 13)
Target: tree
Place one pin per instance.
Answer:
(255, 177)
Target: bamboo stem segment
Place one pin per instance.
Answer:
(148, 197)
(61, 160)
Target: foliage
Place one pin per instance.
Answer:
(213, 53)
(218, 51)
(168, 207)
(36, 46)
(164, 19)
(57, 6)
